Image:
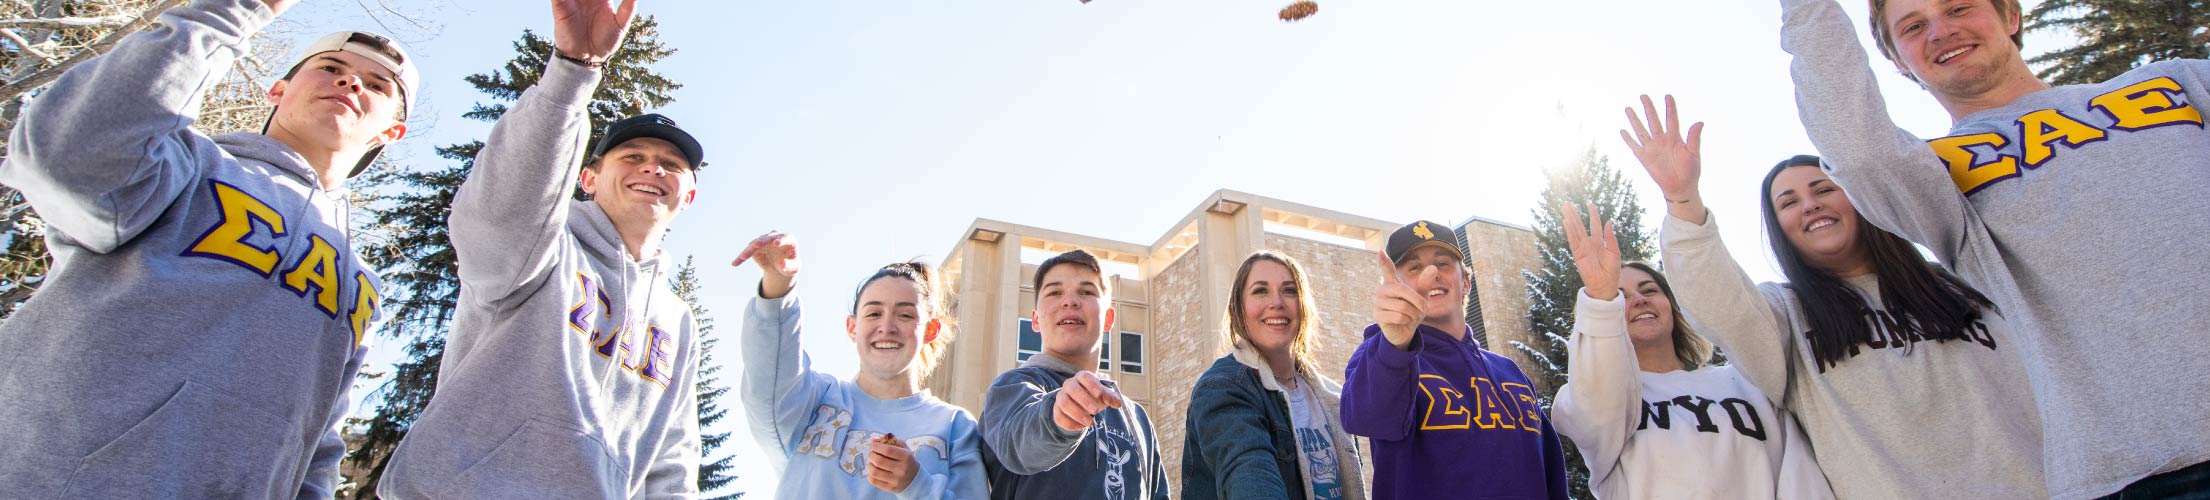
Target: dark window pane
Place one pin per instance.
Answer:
(1105, 353)
(1131, 347)
(1024, 356)
(1031, 340)
(1131, 368)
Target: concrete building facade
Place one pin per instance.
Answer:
(1172, 296)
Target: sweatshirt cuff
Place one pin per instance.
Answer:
(568, 83)
(1389, 355)
(250, 15)
(1589, 311)
(923, 484)
(1675, 229)
(774, 310)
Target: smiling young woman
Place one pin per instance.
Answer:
(1897, 369)
(879, 434)
(1264, 422)
(1651, 416)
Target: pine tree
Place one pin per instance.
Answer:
(1552, 288)
(2118, 35)
(713, 473)
(415, 254)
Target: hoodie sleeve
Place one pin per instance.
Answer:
(674, 472)
(1601, 403)
(1378, 388)
(1895, 179)
(1800, 475)
(780, 386)
(322, 468)
(508, 216)
(1553, 463)
(1017, 426)
(964, 480)
(1228, 433)
(1738, 316)
(105, 150)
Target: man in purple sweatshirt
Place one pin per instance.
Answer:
(1448, 419)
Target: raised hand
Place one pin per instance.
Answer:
(777, 255)
(1673, 162)
(890, 465)
(1398, 308)
(1079, 401)
(591, 30)
(279, 6)
(1595, 248)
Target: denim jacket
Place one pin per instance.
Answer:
(1239, 421)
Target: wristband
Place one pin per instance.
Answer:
(587, 64)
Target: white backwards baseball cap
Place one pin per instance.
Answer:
(373, 47)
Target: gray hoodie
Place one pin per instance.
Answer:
(2077, 209)
(569, 369)
(200, 327)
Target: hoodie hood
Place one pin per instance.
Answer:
(257, 148)
(596, 232)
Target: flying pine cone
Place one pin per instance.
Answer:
(1299, 10)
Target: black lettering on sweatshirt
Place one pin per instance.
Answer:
(1744, 416)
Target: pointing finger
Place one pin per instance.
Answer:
(1389, 269)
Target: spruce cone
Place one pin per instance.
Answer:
(1299, 10)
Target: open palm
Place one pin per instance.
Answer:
(591, 30)
(1595, 248)
(1674, 162)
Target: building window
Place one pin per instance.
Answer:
(1105, 353)
(1032, 342)
(1131, 356)
(1131, 352)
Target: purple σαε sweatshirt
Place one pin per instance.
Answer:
(1449, 419)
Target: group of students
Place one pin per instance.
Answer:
(207, 308)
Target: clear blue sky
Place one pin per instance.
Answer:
(877, 131)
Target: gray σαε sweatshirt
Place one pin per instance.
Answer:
(2076, 210)
(1028, 456)
(569, 370)
(1905, 417)
(200, 327)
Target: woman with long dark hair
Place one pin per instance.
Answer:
(1901, 373)
(1651, 416)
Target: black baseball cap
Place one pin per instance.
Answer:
(1420, 234)
(655, 126)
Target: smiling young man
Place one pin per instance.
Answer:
(1053, 428)
(201, 324)
(568, 373)
(1447, 418)
(2075, 208)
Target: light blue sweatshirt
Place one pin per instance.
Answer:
(818, 428)
(202, 322)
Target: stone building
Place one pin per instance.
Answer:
(1172, 295)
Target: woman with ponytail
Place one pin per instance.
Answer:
(879, 434)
